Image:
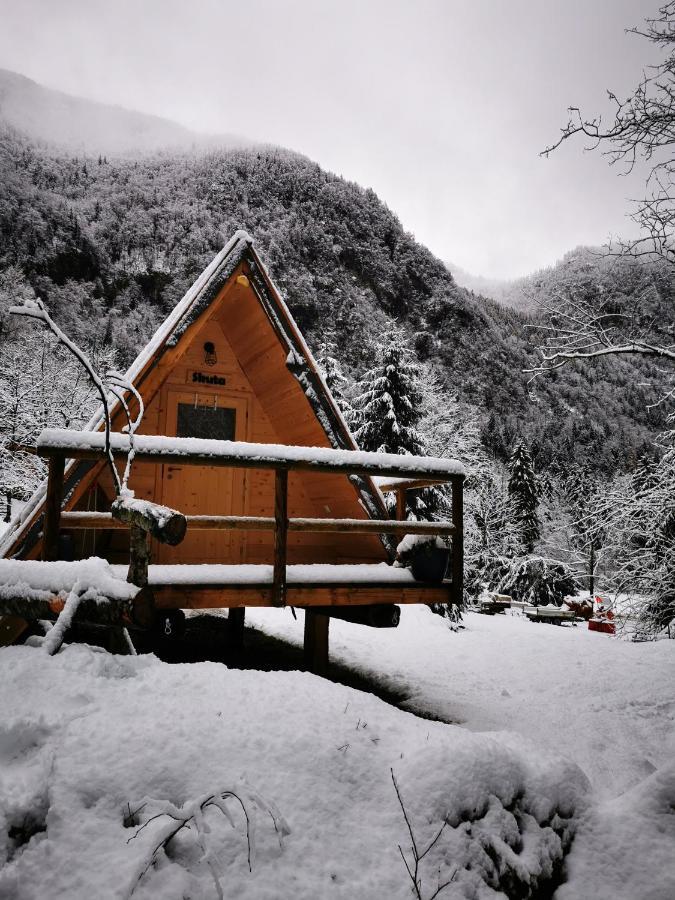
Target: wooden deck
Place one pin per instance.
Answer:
(225, 596)
(322, 589)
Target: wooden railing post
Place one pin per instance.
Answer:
(52, 519)
(457, 562)
(280, 536)
(401, 504)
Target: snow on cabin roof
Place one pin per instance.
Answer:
(275, 454)
(207, 284)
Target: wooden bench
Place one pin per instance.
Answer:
(552, 615)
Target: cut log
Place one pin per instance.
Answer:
(139, 556)
(136, 613)
(167, 525)
(377, 615)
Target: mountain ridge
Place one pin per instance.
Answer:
(81, 125)
(112, 243)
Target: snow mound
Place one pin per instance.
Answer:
(625, 846)
(92, 746)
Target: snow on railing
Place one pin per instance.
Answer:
(58, 444)
(198, 451)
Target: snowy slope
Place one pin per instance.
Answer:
(83, 734)
(606, 704)
(85, 738)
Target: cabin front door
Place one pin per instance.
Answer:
(197, 490)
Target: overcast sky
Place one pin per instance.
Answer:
(441, 106)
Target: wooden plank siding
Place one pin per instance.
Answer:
(252, 348)
(253, 363)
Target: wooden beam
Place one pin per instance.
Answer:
(257, 456)
(103, 520)
(375, 526)
(50, 530)
(236, 619)
(226, 596)
(74, 521)
(280, 537)
(379, 615)
(457, 559)
(316, 642)
(407, 484)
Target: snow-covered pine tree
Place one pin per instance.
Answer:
(333, 375)
(387, 408)
(523, 492)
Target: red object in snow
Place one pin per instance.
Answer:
(601, 625)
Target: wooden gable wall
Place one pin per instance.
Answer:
(252, 361)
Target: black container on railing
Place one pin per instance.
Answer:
(430, 562)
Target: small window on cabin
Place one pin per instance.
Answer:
(209, 422)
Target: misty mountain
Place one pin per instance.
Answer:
(80, 125)
(507, 292)
(112, 244)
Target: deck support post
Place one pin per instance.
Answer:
(236, 618)
(316, 642)
(280, 536)
(52, 519)
(457, 560)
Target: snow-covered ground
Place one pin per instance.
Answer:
(604, 703)
(85, 737)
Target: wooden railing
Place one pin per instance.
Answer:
(401, 473)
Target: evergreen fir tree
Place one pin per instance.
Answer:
(523, 491)
(387, 408)
(335, 379)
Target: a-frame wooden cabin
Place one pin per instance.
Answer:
(230, 364)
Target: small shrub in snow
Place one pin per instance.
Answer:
(533, 579)
(192, 817)
(417, 854)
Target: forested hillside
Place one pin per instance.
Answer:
(112, 243)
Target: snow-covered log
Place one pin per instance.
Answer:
(165, 524)
(33, 604)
